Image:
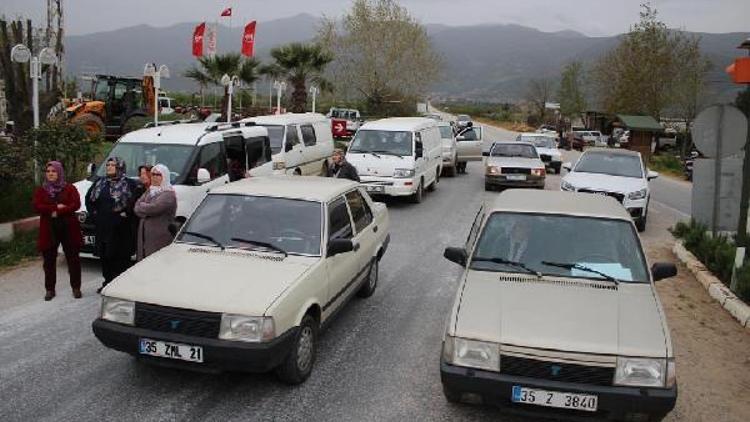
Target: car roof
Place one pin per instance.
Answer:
(287, 118)
(536, 135)
(613, 151)
(558, 202)
(310, 188)
(183, 133)
(400, 123)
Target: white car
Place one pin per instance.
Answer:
(251, 279)
(513, 165)
(591, 137)
(450, 150)
(302, 143)
(546, 146)
(199, 157)
(399, 156)
(616, 173)
(556, 312)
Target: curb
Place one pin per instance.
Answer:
(10, 229)
(716, 289)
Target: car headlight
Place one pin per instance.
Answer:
(279, 165)
(493, 170)
(403, 173)
(471, 353)
(640, 194)
(118, 310)
(644, 372)
(567, 186)
(246, 328)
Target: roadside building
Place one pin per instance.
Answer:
(643, 132)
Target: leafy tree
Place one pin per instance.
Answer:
(691, 68)
(381, 53)
(539, 93)
(213, 68)
(570, 92)
(300, 64)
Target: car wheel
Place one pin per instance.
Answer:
(417, 196)
(435, 182)
(640, 224)
(452, 169)
(558, 168)
(298, 364)
(372, 281)
(488, 187)
(451, 395)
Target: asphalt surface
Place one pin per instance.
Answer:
(378, 361)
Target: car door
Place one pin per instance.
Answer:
(292, 148)
(469, 144)
(420, 163)
(365, 231)
(310, 150)
(342, 268)
(212, 157)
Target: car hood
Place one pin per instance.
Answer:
(605, 182)
(515, 162)
(208, 279)
(564, 314)
(548, 151)
(370, 165)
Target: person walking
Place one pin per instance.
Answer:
(156, 209)
(56, 203)
(110, 202)
(341, 168)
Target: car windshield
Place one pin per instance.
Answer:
(276, 135)
(612, 164)
(513, 150)
(257, 223)
(382, 141)
(137, 154)
(535, 240)
(540, 141)
(446, 132)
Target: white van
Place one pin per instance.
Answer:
(400, 156)
(301, 143)
(200, 156)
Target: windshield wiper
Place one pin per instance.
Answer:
(582, 268)
(206, 237)
(516, 264)
(265, 245)
(388, 153)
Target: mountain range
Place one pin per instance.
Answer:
(480, 62)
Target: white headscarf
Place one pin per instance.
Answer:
(166, 182)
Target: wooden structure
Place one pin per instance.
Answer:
(643, 132)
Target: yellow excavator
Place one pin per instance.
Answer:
(115, 105)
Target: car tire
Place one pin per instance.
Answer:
(558, 168)
(435, 182)
(488, 187)
(372, 280)
(451, 395)
(298, 364)
(452, 169)
(417, 196)
(640, 224)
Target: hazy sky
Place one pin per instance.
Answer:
(591, 17)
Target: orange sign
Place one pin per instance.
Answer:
(740, 70)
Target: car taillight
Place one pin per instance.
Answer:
(538, 172)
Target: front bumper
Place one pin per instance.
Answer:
(614, 403)
(502, 181)
(449, 158)
(218, 355)
(390, 185)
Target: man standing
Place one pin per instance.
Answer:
(341, 168)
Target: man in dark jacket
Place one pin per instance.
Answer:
(341, 168)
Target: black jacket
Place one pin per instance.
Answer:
(343, 171)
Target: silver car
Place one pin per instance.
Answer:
(513, 165)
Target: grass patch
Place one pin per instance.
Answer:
(21, 248)
(667, 164)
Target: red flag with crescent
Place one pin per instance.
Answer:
(226, 12)
(198, 39)
(248, 39)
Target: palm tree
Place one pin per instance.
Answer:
(213, 68)
(299, 64)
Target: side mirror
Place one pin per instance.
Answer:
(567, 166)
(651, 175)
(662, 270)
(90, 169)
(485, 153)
(418, 149)
(337, 246)
(203, 176)
(457, 255)
(174, 227)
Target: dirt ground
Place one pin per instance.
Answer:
(712, 350)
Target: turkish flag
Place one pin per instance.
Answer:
(248, 39)
(338, 128)
(227, 12)
(198, 39)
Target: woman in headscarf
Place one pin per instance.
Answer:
(156, 208)
(110, 202)
(56, 202)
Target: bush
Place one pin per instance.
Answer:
(21, 247)
(743, 283)
(66, 143)
(666, 163)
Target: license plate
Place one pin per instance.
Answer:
(516, 177)
(375, 188)
(585, 402)
(165, 349)
(89, 240)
